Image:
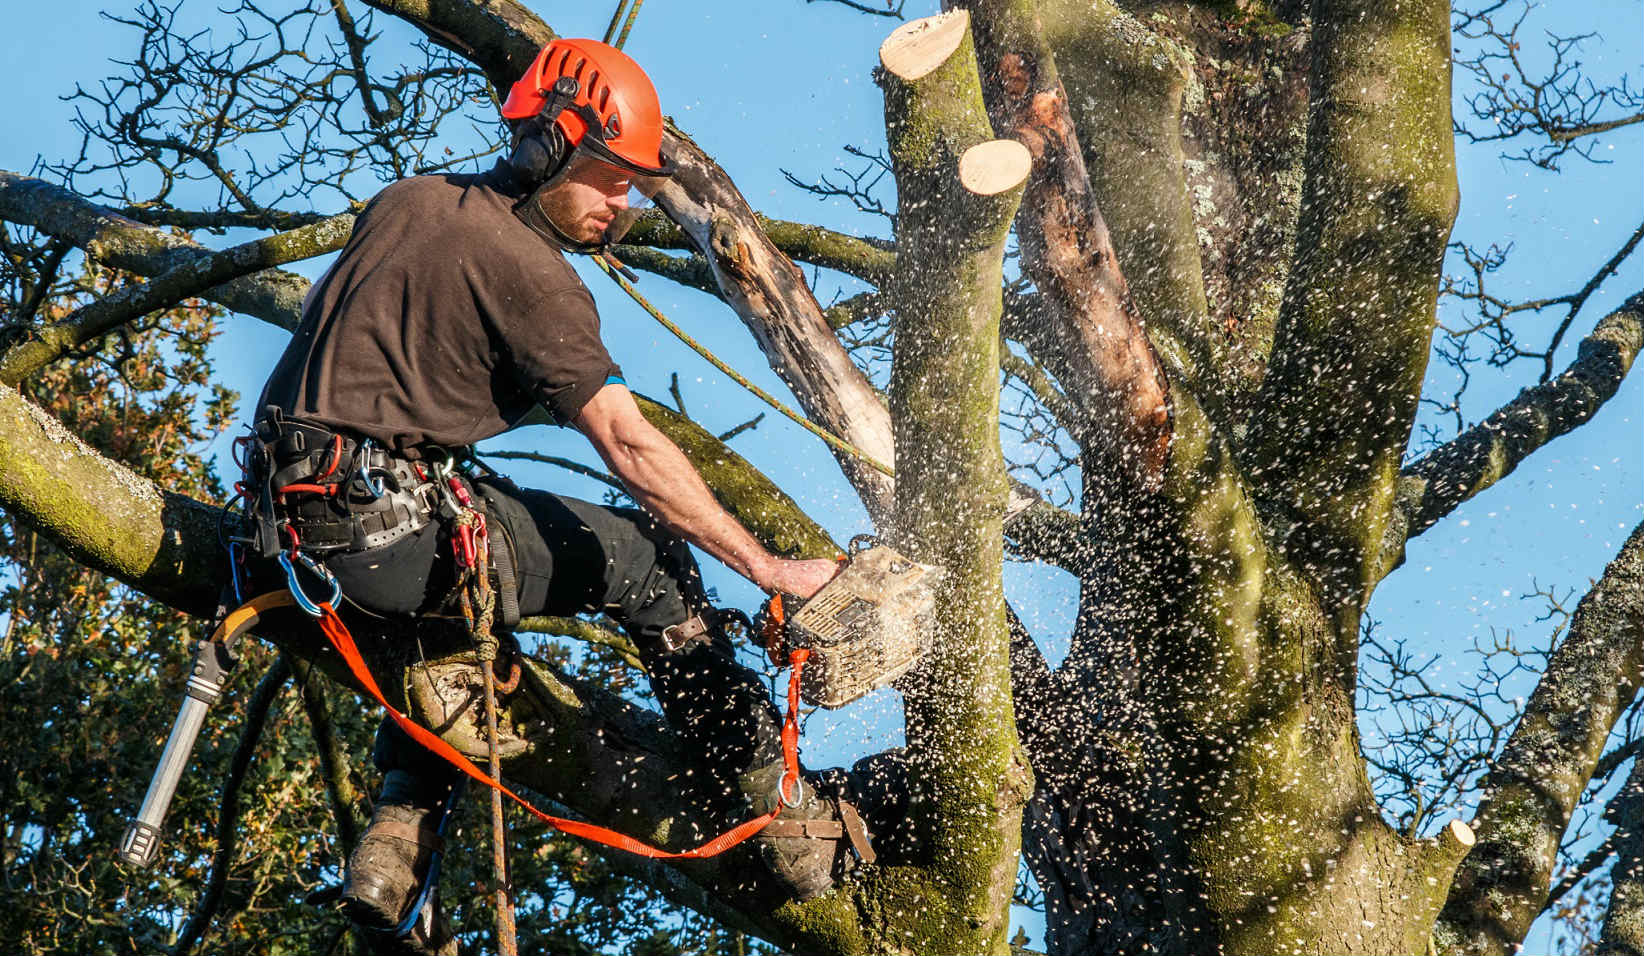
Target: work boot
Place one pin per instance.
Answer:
(809, 846)
(386, 871)
(430, 935)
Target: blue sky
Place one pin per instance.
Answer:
(787, 85)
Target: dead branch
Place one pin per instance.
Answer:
(1112, 375)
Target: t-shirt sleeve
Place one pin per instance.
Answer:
(553, 343)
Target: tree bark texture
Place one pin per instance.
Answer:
(968, 778)
(1438, 482)
(1532, 789)
(1277, 184)
(1623, 931)
(1335, 410)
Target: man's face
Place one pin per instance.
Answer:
(586, 199)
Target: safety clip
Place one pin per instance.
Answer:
(373, 485)
(798, 791)
(318, 570)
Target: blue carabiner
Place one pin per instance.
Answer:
(373, 486)
(296, 587)
(234, 570)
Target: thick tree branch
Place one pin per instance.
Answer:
(1125, 88)
(1441, 480)
(102, 514)
(770, 294)
(87, 323)
(1117, 382)
(1335, 411)
(692, 270)
(871, 260)
(959, 191)
(1544, 768)
(273, 296)
(219, 220)
(1623, 932)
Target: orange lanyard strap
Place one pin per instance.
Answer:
(343, 642)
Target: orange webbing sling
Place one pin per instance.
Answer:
(343, 642)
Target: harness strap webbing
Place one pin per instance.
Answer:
(343, 642)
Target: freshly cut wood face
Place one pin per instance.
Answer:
(914, 49)
(990, 168)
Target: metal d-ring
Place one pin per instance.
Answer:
(373, 486)
(296, 587)
(442, 469)
(798, 791)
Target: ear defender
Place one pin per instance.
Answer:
(540, 149)
(538, 153)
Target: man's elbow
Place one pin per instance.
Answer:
(619, 433)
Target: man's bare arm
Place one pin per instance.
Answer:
(665, 484)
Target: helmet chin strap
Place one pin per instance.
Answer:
(529, 211)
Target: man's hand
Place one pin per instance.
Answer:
(800, 578)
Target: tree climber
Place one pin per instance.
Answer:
(449, 315)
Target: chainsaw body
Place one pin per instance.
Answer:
(866, 627)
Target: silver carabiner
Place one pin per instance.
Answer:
(373, 486)
(442, 469)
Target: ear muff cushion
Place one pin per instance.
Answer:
(538, 153)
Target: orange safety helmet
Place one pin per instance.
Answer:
(613, 111)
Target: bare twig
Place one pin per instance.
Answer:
(566, 463)
(1561, 105)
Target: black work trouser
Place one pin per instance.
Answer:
(571, 557)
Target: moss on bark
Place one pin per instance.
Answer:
(970, 780)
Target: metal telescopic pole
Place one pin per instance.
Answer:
(141, 842)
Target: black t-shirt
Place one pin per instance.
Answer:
(443, 321)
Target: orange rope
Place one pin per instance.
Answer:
(343, 642)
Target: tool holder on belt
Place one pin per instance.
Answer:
(312, 491)
(345, 492)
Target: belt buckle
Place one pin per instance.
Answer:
(677, 636)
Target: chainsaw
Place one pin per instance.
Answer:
(868, 626)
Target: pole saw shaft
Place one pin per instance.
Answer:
(205, 684)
